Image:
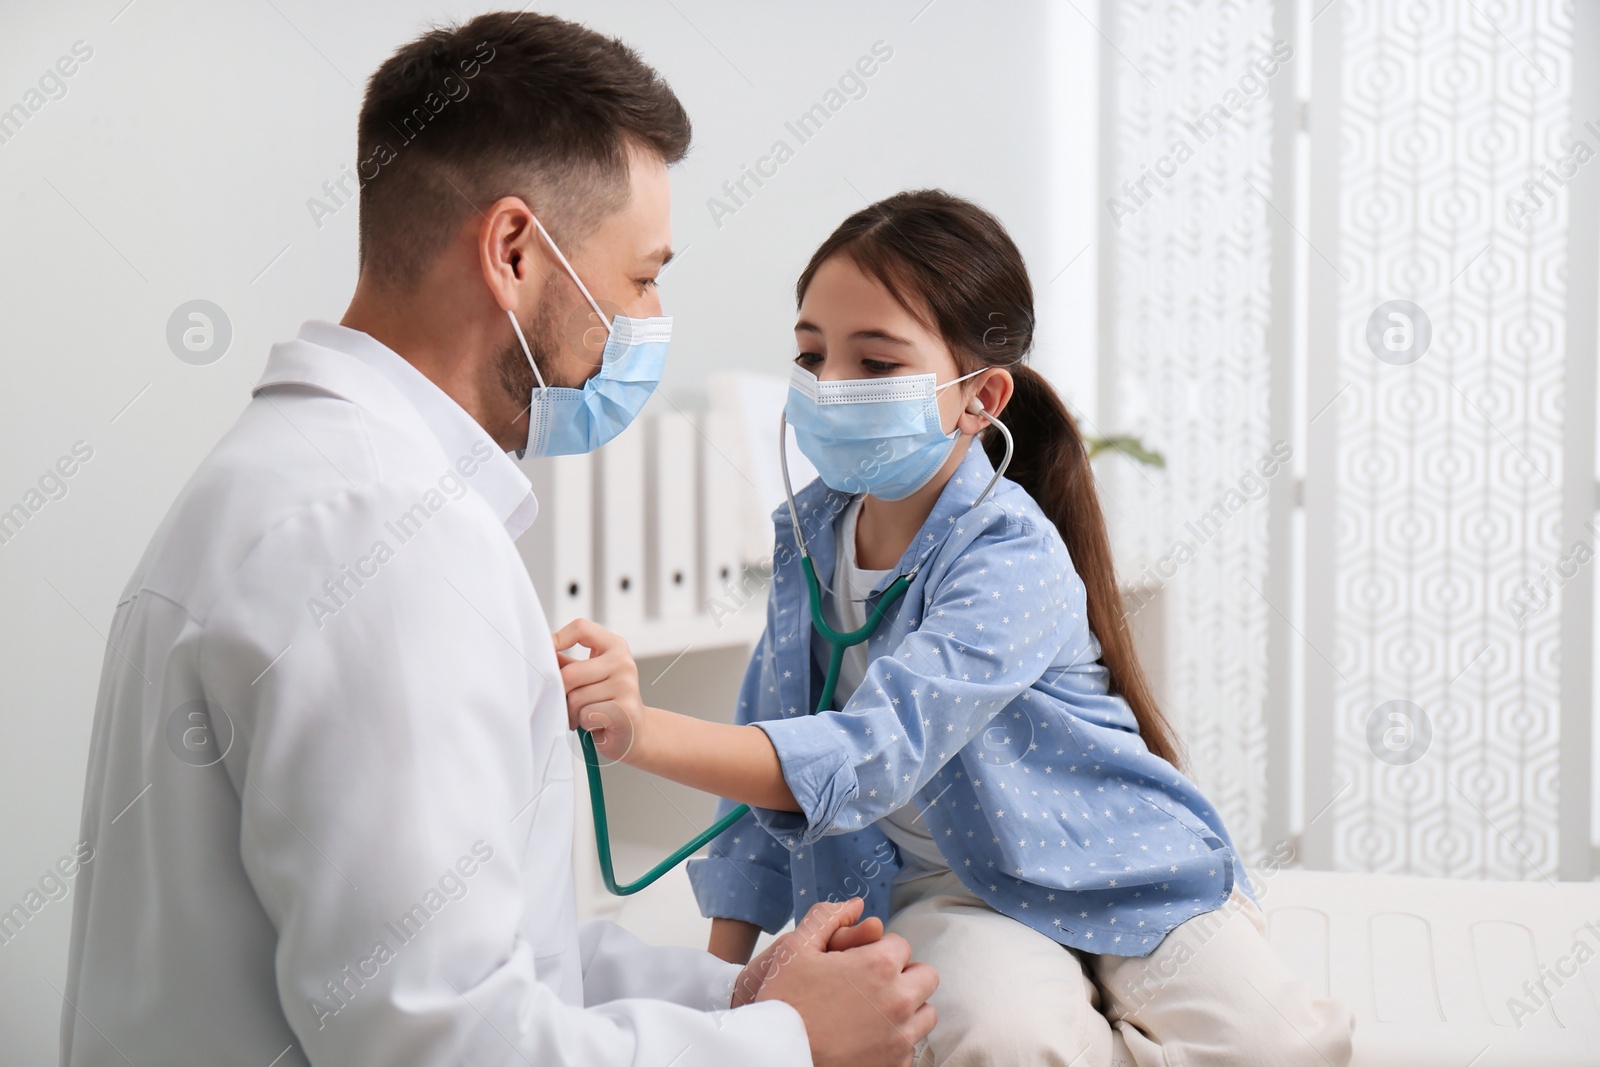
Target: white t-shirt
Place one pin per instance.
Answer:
(847, 611)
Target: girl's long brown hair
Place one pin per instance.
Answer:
(946, 259)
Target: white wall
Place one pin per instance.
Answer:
(178, 165)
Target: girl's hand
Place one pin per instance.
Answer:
(603, 690)
(603, 698)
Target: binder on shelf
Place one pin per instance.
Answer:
(671, 563)
(620, 533)
(754, 401)
(558, 548)
(721, 500)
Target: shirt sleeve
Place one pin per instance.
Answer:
(745, 874)
(388, 766)
(617, 966)
(1003, 603)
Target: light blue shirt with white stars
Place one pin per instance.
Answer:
(986, 706)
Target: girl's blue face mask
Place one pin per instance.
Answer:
(569, 422)
(881, 436)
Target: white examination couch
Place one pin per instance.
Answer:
(1428, 965)
(1446, 972)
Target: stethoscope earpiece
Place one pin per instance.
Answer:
(975, 407)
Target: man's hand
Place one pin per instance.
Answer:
(732, 940)
(864, 1003)
(603, 690)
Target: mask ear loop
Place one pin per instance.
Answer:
(526, 351)
(957, 381)
(584, 289)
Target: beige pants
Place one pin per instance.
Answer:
(1213, 992)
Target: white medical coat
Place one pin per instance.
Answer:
(329, 792)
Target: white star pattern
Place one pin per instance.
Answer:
(989, 710)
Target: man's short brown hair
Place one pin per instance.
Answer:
(504, 105)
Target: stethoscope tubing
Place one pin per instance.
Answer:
(837, 644)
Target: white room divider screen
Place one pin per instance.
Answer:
(1348, 267)
(1187, 304)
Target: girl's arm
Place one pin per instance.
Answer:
(737, 762)
(733, 940)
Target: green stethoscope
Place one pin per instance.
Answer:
(836, 641)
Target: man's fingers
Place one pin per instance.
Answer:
(864, 932)
(897, 948)
(922, 1023)
(923, 977)
(823, 920)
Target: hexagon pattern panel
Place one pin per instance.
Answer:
(1457, 135)
(1191, 233)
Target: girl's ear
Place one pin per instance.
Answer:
(993, 393)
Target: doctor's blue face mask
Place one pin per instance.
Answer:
(568, 422)
(881, 436)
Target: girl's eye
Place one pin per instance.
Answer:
(646, 283)
(808, 359)
(878, 366)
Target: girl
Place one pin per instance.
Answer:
(992, 776)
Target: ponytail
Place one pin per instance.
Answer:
(950, 263)
(1052, 464)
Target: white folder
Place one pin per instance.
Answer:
(620, 531)
(671, 564)
(722, 493)
(559, 547)
(755, 401)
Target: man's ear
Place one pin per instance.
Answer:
(511, 254)
(994, 393)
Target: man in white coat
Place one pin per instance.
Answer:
(329, 791)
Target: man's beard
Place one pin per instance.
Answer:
(516, 377)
